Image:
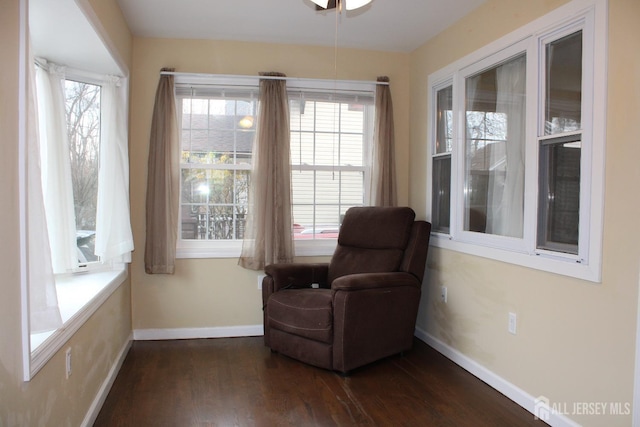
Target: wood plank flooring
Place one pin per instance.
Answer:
(239, 382)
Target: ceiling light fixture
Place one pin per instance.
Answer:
(337, 4)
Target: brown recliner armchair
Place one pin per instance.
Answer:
(366, 302)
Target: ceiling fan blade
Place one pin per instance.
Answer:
(329, 4)
(321, 3)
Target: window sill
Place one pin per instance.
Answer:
(79, 296)
(232, 249)
(556, 263)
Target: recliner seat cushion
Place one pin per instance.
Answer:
(304, 312)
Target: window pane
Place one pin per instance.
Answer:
(83, 129)
(441, 199)
(326, 149)
(352, 188)
(320, 198)
(563, 85)
(302, 148)
(327, 188)
(351, 149)
(302, 221)
(303, 191)
(216, 131)
(208, 202)
(327, 116)
(327, 137)
(559, 206)
(494, 149)
(444, 119)
(352, 118)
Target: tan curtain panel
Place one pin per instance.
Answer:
(162, 182)
(384, 191)
(268, 238)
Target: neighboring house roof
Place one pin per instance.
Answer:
(218, 133)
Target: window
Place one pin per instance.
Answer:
(329, 160)
(560, 146)
(441, 176)
(516, 148)
(82, 109)
(494, 149)
(331, 134)
(217, 132)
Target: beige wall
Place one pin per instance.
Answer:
(575, 340)
(112, 25)
(49, 398)
(208, 293)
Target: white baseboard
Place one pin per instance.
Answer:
(519, 396)
(192, 333)
(97, 403)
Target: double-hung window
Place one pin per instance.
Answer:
(331, 129)
(441, 159)
(517, 143)
(217, 129)
(330, 134)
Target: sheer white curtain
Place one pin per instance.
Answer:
(44, 314)
(114, 240)
(56, 167)
(505, 206)
(471, 214)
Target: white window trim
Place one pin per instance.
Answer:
(186, 249)
(588, 264)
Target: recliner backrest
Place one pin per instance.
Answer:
(372, 240)
(415, 255)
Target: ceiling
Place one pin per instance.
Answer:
(61, 33)
(398, 25)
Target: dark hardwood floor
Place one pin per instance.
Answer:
(239, 382)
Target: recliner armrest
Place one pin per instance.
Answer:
(297, 275)
(354, 282)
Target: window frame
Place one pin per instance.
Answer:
(303, 247)
(189, 248)
(590, 17)
(443, 155)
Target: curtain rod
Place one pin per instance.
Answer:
(293, 79)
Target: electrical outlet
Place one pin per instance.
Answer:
(260, 277)
(443, 294)
(512, 323)
(67, 358)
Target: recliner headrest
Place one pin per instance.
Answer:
(377, 227)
